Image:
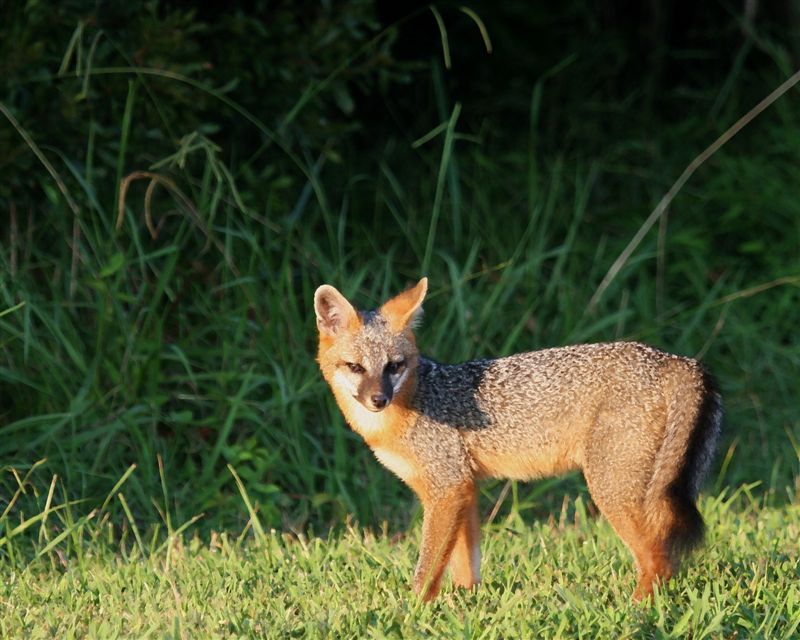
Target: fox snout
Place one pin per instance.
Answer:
(378, 402)
(375, 397)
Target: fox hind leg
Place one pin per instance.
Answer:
(674, 527)
(650, 548)
(627, 511)
(658, 530)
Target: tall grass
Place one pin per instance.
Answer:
(181, 341)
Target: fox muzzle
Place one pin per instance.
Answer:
(376, 395)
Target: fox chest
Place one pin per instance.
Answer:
(396, 462)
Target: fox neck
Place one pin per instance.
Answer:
(377, 426)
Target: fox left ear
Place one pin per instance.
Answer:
(405, 308)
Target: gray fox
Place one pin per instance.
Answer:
(641, 424)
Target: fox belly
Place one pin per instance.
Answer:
(526, 462)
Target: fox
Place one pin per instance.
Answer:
(641, 424)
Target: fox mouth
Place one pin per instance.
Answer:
(375, 409)
(371, 407)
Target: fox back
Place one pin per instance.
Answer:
(641, 424)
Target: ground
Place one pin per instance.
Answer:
(545, 579)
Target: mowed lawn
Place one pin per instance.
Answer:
(568, 577)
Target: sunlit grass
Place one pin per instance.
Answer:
(540, 578)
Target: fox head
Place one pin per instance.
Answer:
(368, 356)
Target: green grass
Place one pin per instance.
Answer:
(565, 577)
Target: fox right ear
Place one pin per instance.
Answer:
(334, 312)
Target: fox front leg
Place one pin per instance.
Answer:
(466, 559)
(445, 520)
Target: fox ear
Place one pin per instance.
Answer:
(405, 308)
(334, 312)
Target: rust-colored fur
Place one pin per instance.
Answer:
(641, 425)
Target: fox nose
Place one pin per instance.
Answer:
(379, 400)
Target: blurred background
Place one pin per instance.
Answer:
(178, 178)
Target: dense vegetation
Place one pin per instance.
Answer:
(176, 183)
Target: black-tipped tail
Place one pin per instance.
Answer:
(688, 529)
(703, 439)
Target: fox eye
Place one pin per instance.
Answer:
(354, 367)
(395, 366)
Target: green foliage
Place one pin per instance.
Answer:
(183, 329)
